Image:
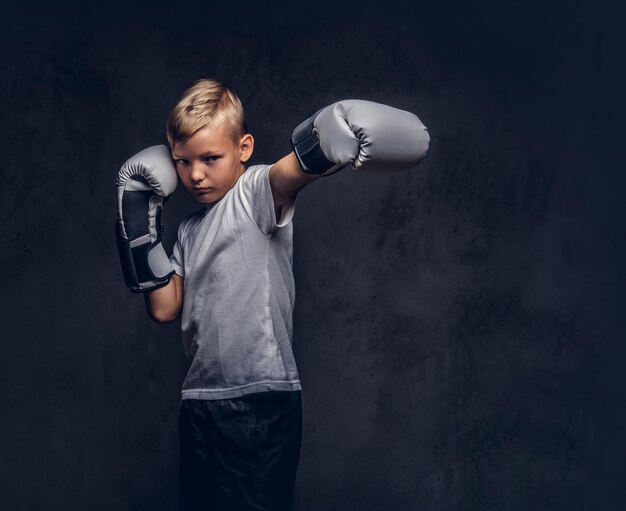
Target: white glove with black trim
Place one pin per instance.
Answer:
(143, 185)
(366, 135)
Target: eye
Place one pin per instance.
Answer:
(209, 159)
(181, 162)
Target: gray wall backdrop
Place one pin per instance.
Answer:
(458, 329)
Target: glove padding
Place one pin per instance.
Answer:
(143, 184)
(366, 135)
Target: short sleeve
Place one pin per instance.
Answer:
(176, 259)
(255, 194)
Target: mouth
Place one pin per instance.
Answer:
(201, 191)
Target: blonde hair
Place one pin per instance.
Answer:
(206, 103)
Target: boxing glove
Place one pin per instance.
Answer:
(365, 135)
(143, 185)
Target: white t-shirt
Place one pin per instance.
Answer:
(239, 293)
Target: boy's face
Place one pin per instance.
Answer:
(210, 163)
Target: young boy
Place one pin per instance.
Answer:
(230, 275)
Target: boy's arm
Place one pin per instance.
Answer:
(143, 184)
(165, 303)
(365, 135)
(287, 179)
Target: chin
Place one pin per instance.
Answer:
(208, 199)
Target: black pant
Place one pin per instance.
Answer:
(240, 454)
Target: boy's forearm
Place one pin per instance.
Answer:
(165, 303)
(287, 179)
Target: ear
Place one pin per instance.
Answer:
(246, 147)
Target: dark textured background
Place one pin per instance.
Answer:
(459, 329)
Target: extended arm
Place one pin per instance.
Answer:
(367, 136)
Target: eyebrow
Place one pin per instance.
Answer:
(202, 155)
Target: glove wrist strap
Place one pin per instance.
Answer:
(307, 148)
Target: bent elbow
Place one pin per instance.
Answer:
(163, 317)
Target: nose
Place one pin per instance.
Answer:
(197, 172)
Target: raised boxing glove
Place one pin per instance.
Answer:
(143, 184)
(366, 135)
